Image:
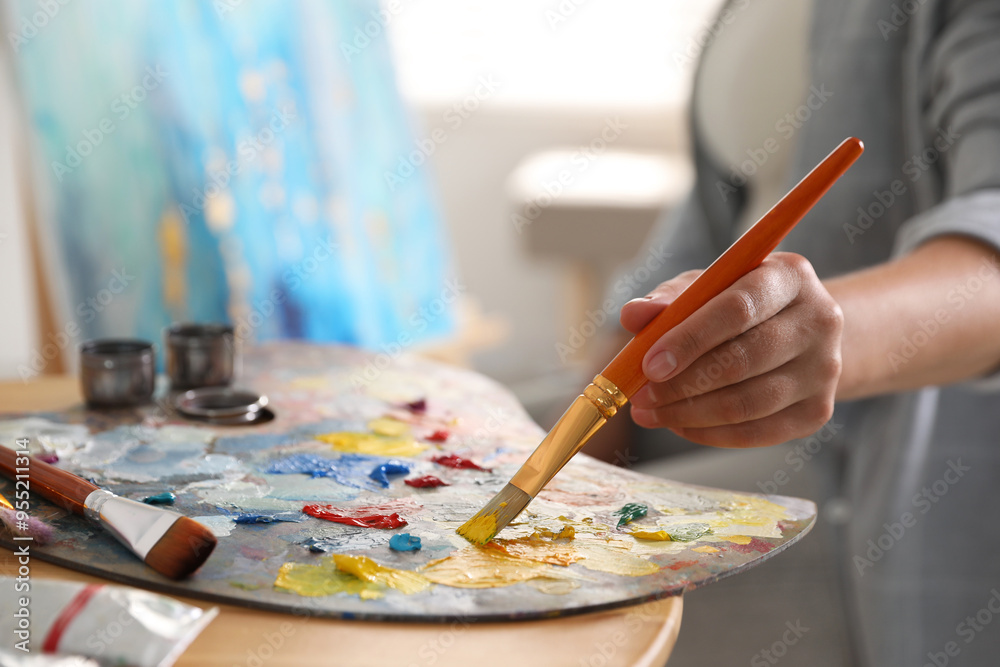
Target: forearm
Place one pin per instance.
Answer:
(929, 318)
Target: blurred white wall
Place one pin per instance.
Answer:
(19, 323)
(559, 70)
(501, 81)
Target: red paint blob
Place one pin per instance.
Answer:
(755, 544)
(455, 461)
(418, 407)
(424, 482)
(437, 436)
(363, 521)
(682, 564)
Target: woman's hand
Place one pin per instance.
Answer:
(757, 365)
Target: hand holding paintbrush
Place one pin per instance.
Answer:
(172, 544)
(623, 377)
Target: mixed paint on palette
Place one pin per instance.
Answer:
(347, 503)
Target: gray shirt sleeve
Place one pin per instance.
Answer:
(958, 150)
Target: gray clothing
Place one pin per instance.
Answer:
(919, 82)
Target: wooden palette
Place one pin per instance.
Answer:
(219, 473)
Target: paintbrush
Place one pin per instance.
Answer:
(170, 543)
(29, 527)
(620, 379)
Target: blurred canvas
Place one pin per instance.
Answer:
(228, 160)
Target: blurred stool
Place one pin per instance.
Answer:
(592, 211)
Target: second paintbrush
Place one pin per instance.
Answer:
(168, 542)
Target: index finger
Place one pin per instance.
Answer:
(637, 313)
(754, 298)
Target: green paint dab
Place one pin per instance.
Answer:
(630, 512)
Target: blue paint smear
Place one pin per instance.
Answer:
(404, 542)
(249, 518)
(382, 472)
(349, 469)
(243, 444)
(165, 498)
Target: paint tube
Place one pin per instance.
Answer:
(114, 625)
(10, 659)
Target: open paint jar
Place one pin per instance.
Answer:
(223, 405)
(116, 373)
(200, 355)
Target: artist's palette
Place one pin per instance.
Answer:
(347, 425)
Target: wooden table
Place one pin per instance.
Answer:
(639, 636)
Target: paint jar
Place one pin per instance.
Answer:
(200, 355)
(223, 405)
(117, 373)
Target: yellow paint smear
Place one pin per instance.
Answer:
(613, 558)
(487, 567)
(389, 427)
(354, 575)
(320, 580)
(753, 511)
(567, 533)
(372, 444)
(366, 569)
(480, 529)
(655, 535)
(706, 550)
(738, 539)
(539, 550)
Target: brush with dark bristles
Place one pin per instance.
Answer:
(28, 527)
(172, 544)
(619, 381)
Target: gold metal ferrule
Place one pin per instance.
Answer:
(600, 401)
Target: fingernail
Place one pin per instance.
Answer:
(661, 366)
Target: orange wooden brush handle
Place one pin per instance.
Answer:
(63, 488)
(625, 370)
